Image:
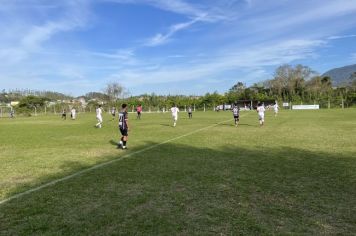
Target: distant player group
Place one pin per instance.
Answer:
(260, 111)
(73, 114)
(124, 125)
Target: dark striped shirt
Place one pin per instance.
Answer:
(123, 116)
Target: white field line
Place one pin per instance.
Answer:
(104, 164)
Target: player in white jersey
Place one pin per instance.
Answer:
(275, 108)
(261, 113)
(99, 117)
(73, 113)
(113, 112)
(175, 111)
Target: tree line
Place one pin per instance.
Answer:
(293, 84)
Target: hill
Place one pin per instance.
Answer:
(340, 75)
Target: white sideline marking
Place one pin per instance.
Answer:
(104, 164)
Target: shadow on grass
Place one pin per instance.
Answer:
(113, 142)
(180, 189)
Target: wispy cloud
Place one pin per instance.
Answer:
(225, 40)
(30, 37)
(252, 59)
(342, 36)
(176, 56)
(204, 12)
(195, 12)
(160, 39)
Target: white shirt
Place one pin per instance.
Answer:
(73, 111)
(261, 110)
(98, 112)
(276, 107)
(174, 111)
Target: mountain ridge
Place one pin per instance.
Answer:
(341, 75)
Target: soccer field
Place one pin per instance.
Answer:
(295, 175)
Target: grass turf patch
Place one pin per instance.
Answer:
(296, 175)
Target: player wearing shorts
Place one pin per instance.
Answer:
(190, 112)
(113, 112)
(236, 113)
(64, 114)
(73, 113)
(139, 110)
(123, 126)
(99, 117)
(275, 108)
(261, 113)
(175, 111)
(12, 113)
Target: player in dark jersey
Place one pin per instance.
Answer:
(64, 114)
(190, 112)
(123, 126)
(236, 113)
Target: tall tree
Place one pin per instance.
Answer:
(114, 90)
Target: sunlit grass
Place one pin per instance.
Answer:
(297, 174)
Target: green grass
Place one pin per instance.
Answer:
(295, 175)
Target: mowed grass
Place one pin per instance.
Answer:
(295, 175)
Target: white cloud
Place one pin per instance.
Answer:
(242, 37)
(27, 37)
(252, 59)
(197, 13)
(176, 6)
(290, 16)
(176, 56)
(160, 39)
(342, 36)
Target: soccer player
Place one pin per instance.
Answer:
(64, 114)
(99, 117)
(261, 113)
(190, 112)
(275, 108)
(12, 113)
(113, 112)
(139, 110)
(175, 111)
(123, 126)
(236, 113)
(73, 113)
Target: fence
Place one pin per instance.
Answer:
(332, 103)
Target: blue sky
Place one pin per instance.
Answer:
(168, 46)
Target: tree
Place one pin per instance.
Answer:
(114, 90)
(289, 81)
(96, 96)
(32, 101)
(238, 87)
(352, 82)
